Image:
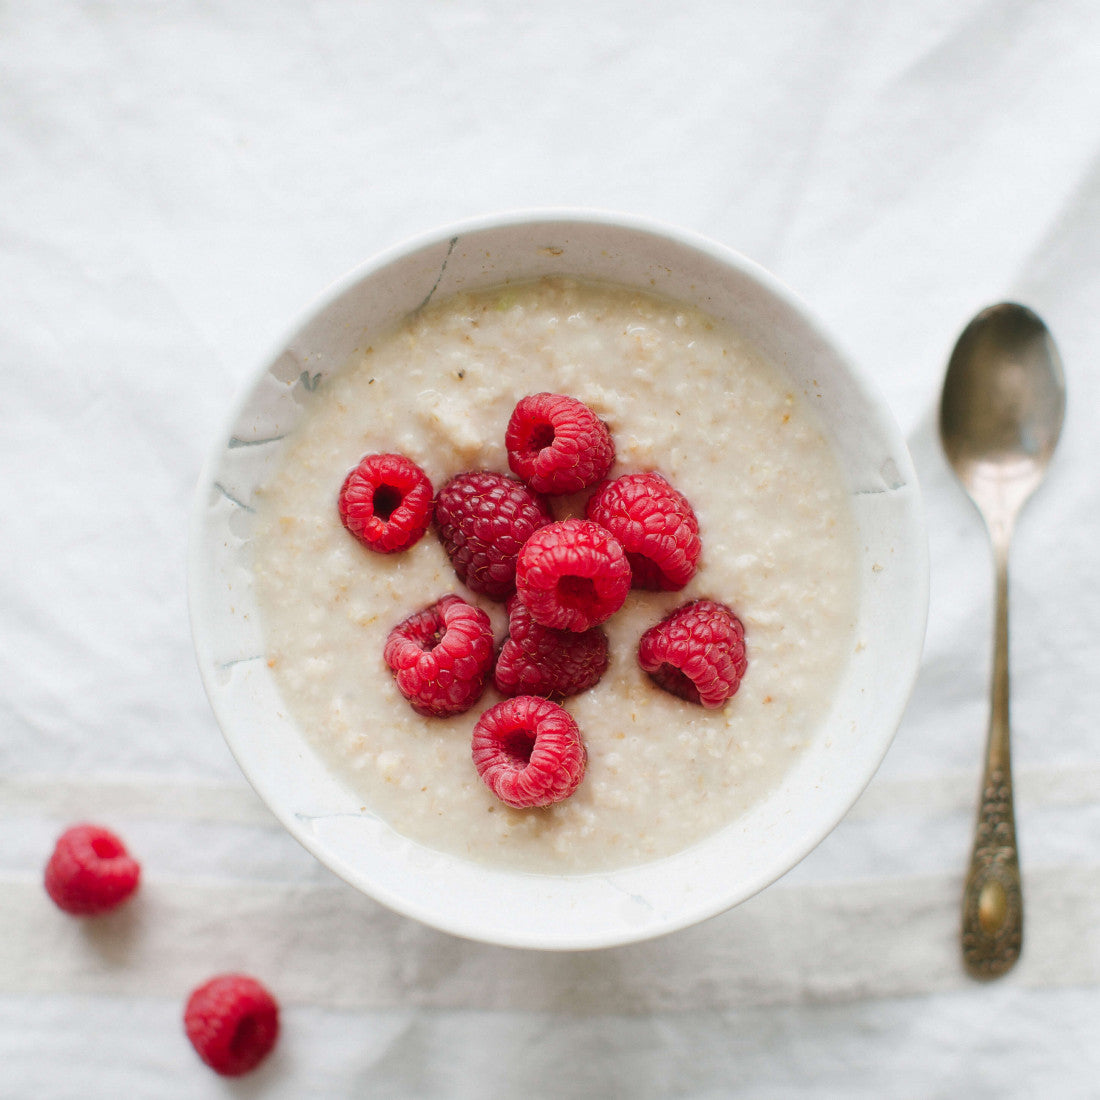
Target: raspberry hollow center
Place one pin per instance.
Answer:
(542, 436)
(518, 745)
(385, 501)
(244, 1036)
(677, 682)
(106, 848)
(577, 592)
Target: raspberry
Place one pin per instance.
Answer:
(90, 871)
(529, 752)
(572, 575)
(697, 653)
(441, 657)
(656, 526)
(483, 519)
(232, 1022)
(386, 502)
(557, 444)
(536, 660)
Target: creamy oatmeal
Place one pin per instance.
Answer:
(683, 395)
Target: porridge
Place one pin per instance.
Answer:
(681, 394)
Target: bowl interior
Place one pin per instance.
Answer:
(562, 911)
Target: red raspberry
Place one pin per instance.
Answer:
(656, 525)
(483, 519)
(572, 575)
(232, 1022)
(557, 444)
(536, 660)
(441, 657)
(529, 752)
(90, 871)
(697, 653)
(386, 502)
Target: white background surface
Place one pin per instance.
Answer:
(177, 180)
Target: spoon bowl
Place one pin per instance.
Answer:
(1001, 414)
(1003, 404)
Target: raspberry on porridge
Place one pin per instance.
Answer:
(386, 502)
(557, 444)
(656, 526)
(697, 653)
(529, 752)
(536, 660)
(483, 520)
(441, 657)
(572, 575)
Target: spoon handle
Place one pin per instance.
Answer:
(993, 912)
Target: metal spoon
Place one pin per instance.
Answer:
(1004, 399)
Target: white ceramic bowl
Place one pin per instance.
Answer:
(562, 911)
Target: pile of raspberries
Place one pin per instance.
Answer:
(559, 579)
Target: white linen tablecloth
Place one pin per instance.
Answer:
(176, 180)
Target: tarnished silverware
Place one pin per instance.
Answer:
(1001, 414)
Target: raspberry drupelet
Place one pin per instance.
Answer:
(557, 444)
(386, 502)
(656, 526)
(697, 653)
(536, 660)
(441, 657)
(483, 519)
(572, 575)
(232, 1022)
(529, 752)
(90, 871)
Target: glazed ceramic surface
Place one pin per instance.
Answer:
(562, 911)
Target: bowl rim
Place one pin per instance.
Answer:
(717, 901)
